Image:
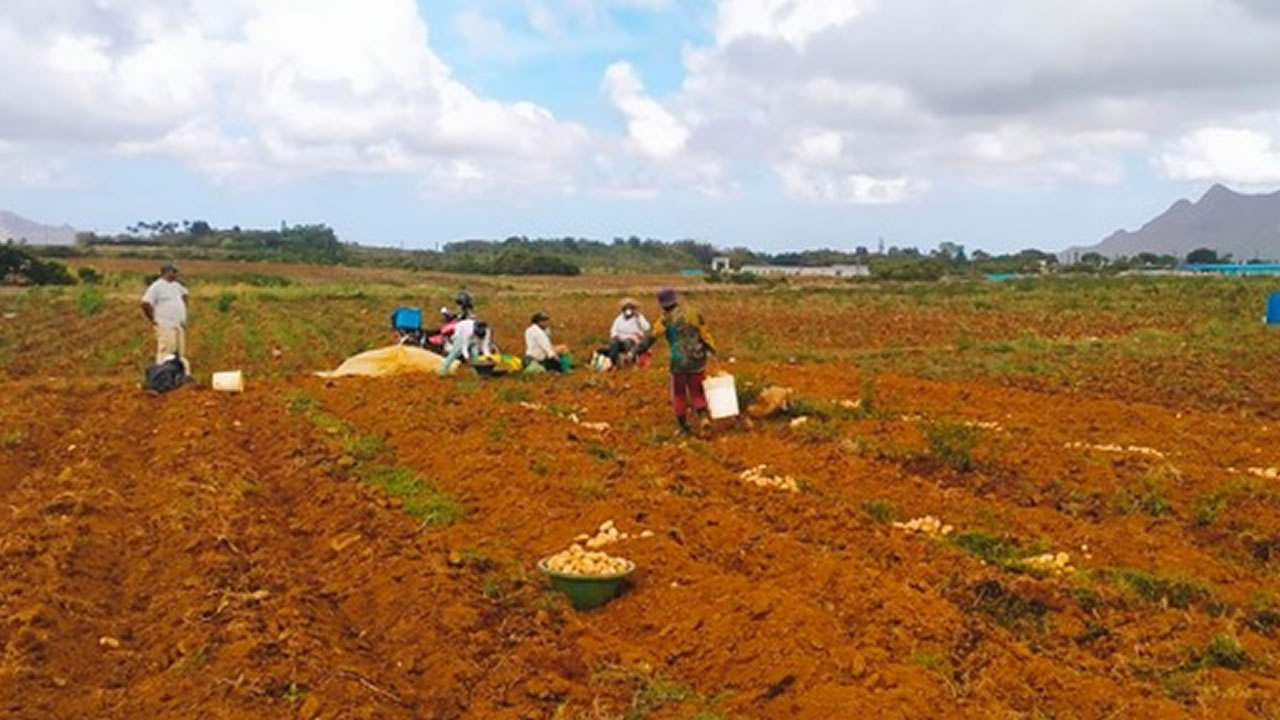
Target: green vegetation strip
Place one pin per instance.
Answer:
(420, 498)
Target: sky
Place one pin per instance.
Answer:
(774, 124)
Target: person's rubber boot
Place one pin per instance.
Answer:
(684, 425)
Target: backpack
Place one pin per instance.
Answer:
(166, 376)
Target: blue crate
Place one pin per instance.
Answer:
(408, 319)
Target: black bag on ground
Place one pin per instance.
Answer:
(168, 375)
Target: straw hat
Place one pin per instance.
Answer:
(627, 302)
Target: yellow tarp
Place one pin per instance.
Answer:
(393, 360)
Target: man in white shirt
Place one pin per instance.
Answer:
(538, 347)
(165, 305)
(629, 330)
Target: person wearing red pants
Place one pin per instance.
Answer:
(690, 343)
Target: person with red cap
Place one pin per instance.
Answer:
(690, 343)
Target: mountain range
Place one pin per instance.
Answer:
(19, 229)
(1246, 226)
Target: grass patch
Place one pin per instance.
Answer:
(365, 447)
(224, 301)
(498, 431)
(936, 662)
(999, 551)
(420, 499)
(591, 490)
(11, 439)
(514, 395)
(1209, 507)
(299, 402)
(882, 511)
(1178, 592)
(1149, 497)
(952, 444)
(329, 424)
(1224, 651)
(90, 300)
(1264, 614)
(816, 432)
(602, 452)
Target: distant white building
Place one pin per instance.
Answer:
(849, 271)
(721, 264)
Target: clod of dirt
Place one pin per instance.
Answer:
(927, 525)
(757, 476)
(577, 561)
(769, 402)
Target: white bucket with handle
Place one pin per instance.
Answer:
(722, 396)
(230, 381)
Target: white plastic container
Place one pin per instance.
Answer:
(231, 381)
(722, 396)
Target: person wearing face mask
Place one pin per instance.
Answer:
(629, 330)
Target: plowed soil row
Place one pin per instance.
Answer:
(201, 555)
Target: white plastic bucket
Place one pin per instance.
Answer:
(231, 381)
(722, 396)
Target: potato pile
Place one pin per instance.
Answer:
(578, 561)
(1051, 563)
(756, 476)
(1266, 473)
(927, 525)
(608, 534)
(1112, 448)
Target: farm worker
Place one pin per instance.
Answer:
(471, 339)
(466, 306)
(690, 343)
(165, 305)
(440, 339)
(629, 330)
(538, 347)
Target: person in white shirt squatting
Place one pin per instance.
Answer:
(629, 330)
(538, 347)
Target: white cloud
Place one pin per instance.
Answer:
(653, 130)
(793, 21)
(1000, 92)
(1235, 155)
(265, 89)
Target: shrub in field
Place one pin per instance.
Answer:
(952, 444)
(882, 511)
(1223, 651)
(90, 301)
(88, 276)
(19, 267)
(225, 300)
(1148, 496)
(1178, 592)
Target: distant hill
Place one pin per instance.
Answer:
(17, 228)
(1247, 226)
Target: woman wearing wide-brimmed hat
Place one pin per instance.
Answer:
(629, 330)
